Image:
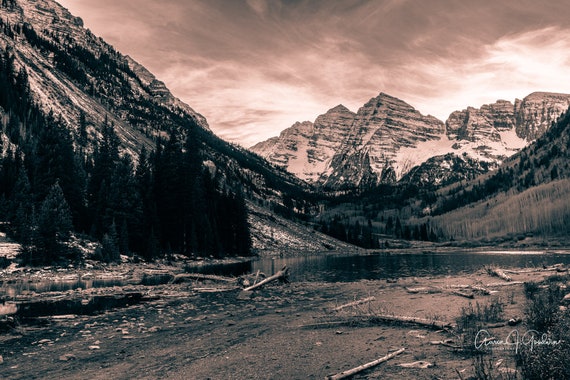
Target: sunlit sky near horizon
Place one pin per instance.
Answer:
(254, 67)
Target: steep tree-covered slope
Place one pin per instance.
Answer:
(529, 194)
(100, 138)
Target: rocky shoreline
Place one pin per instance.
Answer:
(205, 328)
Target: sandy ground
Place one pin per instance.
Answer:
(212, 330)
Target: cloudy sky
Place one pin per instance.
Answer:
(254, 67)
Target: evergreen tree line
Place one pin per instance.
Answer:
(371, 236)
(50, 191)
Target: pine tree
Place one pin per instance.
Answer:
(242, 231)
(124, 238)
(22, 208)
(105, 160)
(54, 226)
(54, 161)
(110, 249)
(169, 194)
(146, 221)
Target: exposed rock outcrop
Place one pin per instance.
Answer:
(536, 112)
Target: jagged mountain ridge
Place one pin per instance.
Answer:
(386, 138)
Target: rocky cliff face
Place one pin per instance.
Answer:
(536, 113)
(381, 128)
(474, 124)
(387, 137)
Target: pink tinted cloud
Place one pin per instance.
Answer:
(254, 67)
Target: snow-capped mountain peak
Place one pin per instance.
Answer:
(387, 137)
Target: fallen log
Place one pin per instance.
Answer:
(212, 290)
(492, 284)
(423, 290)
(350, 372)
(499, 273)
(476, 288)
(281, 275)
(417, 364)
(481, 289)
(463, 294)
(354, 303)
(446, 343)
(183, 277)
(431, 323)
(326, 324)
(556, 267)
(373, 319)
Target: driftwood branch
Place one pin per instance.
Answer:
(462, 294)
(281, 275)
(499, 273)
(431, 323)
(417, 364)
(371, 319)
(183, 277)
(556, 267)
(363, 367)
(476, 288)
(492, 284)
(423, 290)
(446, 343)
(354, 303)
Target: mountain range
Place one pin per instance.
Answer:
(387, 140)
(409, 171)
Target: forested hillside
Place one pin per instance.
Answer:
(52, 191)
(530, 194)
(126, 163)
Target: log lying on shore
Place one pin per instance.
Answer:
(183, 277)
(431, 323)
(556, 268)
(446, 343)
(463, 294)
(423, 290)
(354, 303)
(499, 273)
(371, 319)
(353, 371)
(417, 364)
(475, 288)
(493, 284)
(281, 275)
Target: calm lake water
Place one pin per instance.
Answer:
(333, 268)
(382, 265)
